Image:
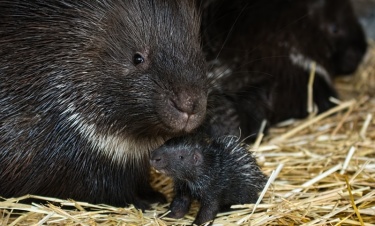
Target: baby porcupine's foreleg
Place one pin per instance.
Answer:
(181, 202)
(208, 211)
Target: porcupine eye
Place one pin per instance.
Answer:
(181, 157)
(138, 59)
(333, 29)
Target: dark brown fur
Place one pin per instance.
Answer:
(87, 88)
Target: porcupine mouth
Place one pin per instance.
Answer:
(185, 127)
(183, 123)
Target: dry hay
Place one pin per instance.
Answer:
(324, 169)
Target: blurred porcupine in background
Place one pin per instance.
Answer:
(260, 53)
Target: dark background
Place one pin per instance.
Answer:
(365, 10)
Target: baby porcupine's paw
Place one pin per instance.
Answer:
(179, 207)
(141, 204)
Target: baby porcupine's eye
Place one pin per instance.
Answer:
(138, 59)
(181, 157)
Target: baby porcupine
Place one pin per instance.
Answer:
(218, 173)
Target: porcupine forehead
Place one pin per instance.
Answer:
(160, 24)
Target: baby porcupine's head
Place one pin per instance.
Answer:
(180, 158)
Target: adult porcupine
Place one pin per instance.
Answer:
(87, 88)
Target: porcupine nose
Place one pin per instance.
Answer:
(189, 109)
(184, 105)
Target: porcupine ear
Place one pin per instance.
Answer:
(198, 158)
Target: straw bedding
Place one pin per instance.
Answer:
(322, 172)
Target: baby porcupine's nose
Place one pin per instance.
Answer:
(156, 160)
